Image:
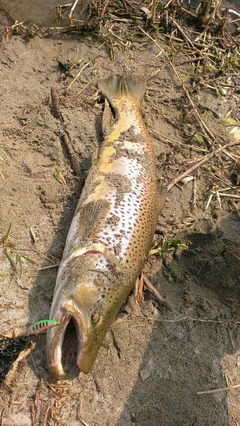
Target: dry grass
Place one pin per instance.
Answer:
(201, 37)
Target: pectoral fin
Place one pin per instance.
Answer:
(90, 215)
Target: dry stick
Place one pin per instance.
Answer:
(138, 290)
(236, 209)
(194, 202)
(166, 139)
(80, 406)
(104, 9)
(198, 320)
(160, 51)
(186, 38)
(55, 110)
(228, 195)
(202, 161)
(44, 268)
(72, 10)
(206, 131)
(73, 158)
(78, 74)
(84, 88)
(83, 422)
(135, 290)
(203, 125)
(158, 296)
(188, 61)
(154, 6)
(218, 390)
(66, 138)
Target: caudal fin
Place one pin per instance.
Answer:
(115, 87)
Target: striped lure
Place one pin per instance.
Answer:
(40, 326)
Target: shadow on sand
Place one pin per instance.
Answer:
(187, 347)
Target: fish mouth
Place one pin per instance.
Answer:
(55, 340)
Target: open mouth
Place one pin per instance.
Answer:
(56, 339)
(74, 315)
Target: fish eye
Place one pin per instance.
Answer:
(96, 318)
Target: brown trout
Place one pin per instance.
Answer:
(112, 229)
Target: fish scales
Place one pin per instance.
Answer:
(112, 229)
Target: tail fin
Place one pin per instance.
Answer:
(115, 87)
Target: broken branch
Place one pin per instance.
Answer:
(202, 161)
(66, 137)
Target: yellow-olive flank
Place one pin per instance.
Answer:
(112, 229)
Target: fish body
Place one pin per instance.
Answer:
(112, 229)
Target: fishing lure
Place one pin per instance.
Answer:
(40, 326)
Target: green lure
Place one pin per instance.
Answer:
(40, 326)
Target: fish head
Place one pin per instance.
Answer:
(86, 293)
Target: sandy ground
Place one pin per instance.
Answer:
(153, 362)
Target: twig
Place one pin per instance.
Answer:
(158, 296)
(160, 51)
(44, 268)
(153, 19)
(202, 161)
(185, 37)
(194, 202)
(73, 158)
(66, 137)
(42, 254)
(219, 199)
(78, 74)
(166, 139)
(83, 422)
(32, 233)
(209, 200)
(233, 253)
(198, 320)
(84, 88)
(104, 9)
(207, 132)
(189, 61)
(55, 111)
(231, 155)
(80, 405)
(237, 211)
(229, 195)
(218, 390)
(71, 11)
(1, 173)
(138, 290)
